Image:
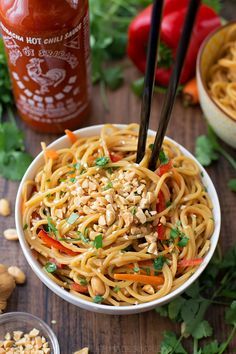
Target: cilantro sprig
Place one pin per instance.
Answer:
(208, 150)
(217, 285)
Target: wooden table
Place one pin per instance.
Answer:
(134, 334)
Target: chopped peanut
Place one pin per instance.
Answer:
(10, 234)
(5, 209)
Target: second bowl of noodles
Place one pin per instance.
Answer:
(112, 236)
(216, 80)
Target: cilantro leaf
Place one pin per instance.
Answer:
(175, 307)
(214, 4)
(163, 158)
(13, 164)
(183, 241)
(230, 314)
(113, 77)
(98, 241)
(205, 151)
(137, 86)
(170, 344)
(158, 263)
(202, 330)
(102, 161)
(232, 184)
(51, 226)
(98, 299)
(211, 348)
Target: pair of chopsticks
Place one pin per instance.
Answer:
(150, 79)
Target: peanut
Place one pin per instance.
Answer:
(82, 351)
(5, 209)
(10, 234)
(97, 286)
(17, 274)
(148, 289)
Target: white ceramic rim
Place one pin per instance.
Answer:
(108, 309)
(10, 316)
(199, 66)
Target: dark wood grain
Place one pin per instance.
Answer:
(133, 334)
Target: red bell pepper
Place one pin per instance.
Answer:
(50, 242)
(161, 205)
(164, 168)
(171, 27)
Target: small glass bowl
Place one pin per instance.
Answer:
(25, 322)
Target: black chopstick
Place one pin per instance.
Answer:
(149, 77)
(174, 81)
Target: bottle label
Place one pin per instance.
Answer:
(50, 74)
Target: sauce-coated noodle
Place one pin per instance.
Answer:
(111, 231)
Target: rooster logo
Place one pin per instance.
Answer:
(52, 78)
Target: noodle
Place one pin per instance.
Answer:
(112, 231)
(222, 76)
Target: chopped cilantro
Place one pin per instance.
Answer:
(77, 165)
(83, 281)
(48, 180)
(71, 172)
(48, 195)
(62, 180)
(168, 203)
(51, 226)
(73, 180)
(25, 227)
(72, 218)
(174, 233)
(183, 242)
(83, 237)
(163, 158)
(102, 161)
(232, 184)
(98, 241)
(151, 146)
(108, 186)
(116, 289)
(159, 262)
(134, 210)
(98, 299)
(50, 267)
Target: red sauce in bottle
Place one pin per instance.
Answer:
(47, 45)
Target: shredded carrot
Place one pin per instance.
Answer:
(190, 262)
(144, 279)
(71, 136)
(51, 154)
(190, 93)
(79, 288)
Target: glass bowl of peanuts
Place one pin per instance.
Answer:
(21, 332)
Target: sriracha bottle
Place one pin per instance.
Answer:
(47, 46)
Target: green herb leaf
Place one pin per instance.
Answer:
(211, 348)
(214, 4)
(113, 77)
(165, 56)
(163, 158)
(98, 299)
(83, 237)
(102, 161)
(170, 344)
(159, 262)
(202, 330)
(183, 241)
(83, 281)
(73, 180)
(232, 184)
(230, 314)
(205, 150)
(98, 241)
(77, 165)
(50, 267)
(51, 227)
(116, 289)
(108, 186)
(25, 227)
(175, 307)
(133, 210)
(137, 87)
(72, 218)
(174, 233)
(168, 203)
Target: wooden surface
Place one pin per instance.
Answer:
(104, 334)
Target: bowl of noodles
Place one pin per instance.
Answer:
(109, 235)
(216, 80)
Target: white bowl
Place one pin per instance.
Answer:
(222, 123)
(106, 309)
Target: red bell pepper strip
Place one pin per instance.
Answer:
(164, 168)
(115, 157)
(171, 28)
(161, 204)
(161, 232)
(190, 262)
(50, 242)
(79, 288)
